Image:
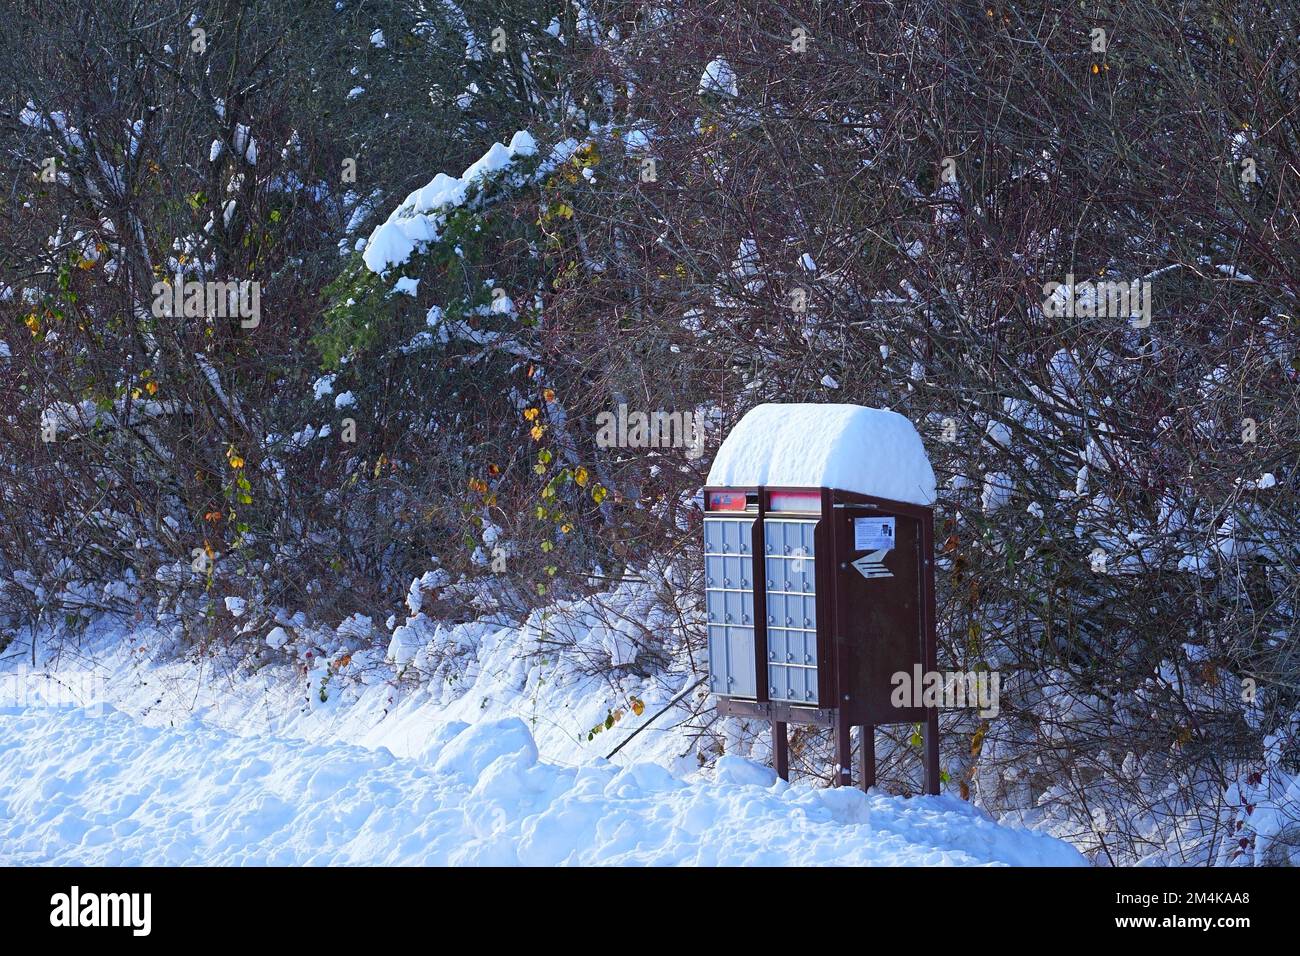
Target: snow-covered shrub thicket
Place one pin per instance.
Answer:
(690, 208)
(891, 209)
(158, 463)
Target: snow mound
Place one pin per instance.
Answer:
(865, 450)
(80, 788)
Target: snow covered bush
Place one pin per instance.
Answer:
(1073, 268)
(1118, 518)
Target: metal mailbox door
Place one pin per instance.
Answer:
(789, 563)
(729, 600)
(880, 598)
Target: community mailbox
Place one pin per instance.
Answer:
(819, 575)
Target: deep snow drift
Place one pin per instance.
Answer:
(120, 750)
(97, 787)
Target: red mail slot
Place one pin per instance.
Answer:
(726, 501)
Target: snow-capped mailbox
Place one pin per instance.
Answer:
(819, 563)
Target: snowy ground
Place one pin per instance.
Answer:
(101, 788)
(120, 751)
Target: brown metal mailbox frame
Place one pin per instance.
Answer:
(859, 632)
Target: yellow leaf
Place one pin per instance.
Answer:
(580, 476)
(638, 706)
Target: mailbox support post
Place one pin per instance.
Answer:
(932, 753)
(867, 756)
(781, 750)
(843, 750)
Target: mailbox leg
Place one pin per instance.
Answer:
(843, 751)
(932, 751)
(780, 750)
(867, 756)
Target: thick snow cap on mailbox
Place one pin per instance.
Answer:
(865, 450)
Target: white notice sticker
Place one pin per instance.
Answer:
(873, 534)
